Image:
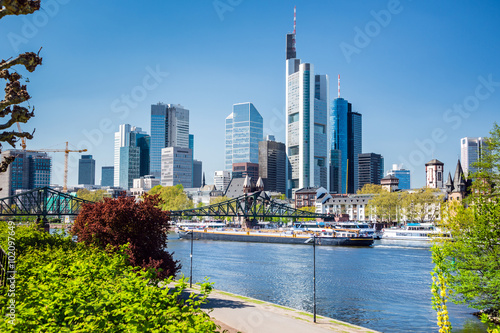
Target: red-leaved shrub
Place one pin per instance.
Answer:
(116, 222)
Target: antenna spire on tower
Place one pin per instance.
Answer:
(294, 19)
(339, 87)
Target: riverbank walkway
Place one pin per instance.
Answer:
(235, 313)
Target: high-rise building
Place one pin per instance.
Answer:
(107, 176)
(86, 170)
(28, 171)
(222, 179)
(336, 171)
(471, 149)
(244, 131)
(371, 169)
(307, 98)
(177, 166)
(346, 132)
(169, 128)
(272, 163)
(434, 174)
(131, 155)
(403, 175)
(197, 173)
(241, 170)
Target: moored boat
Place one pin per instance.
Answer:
(413, 231)
(338, 237)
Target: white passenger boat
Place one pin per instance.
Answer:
(413, 231)
(362, 228)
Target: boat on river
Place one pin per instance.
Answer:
(413, 231)
(328, 237)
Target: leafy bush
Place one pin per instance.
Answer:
(63, 286)
(115, 222)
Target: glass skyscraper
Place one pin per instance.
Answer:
(169, 128)
(307, 141)
(403, 175)
(244, 130)
(86, 170)
(470, 149)
(346, 141)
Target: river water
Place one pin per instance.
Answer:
(385, 287)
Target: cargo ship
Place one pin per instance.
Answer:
(327, 237)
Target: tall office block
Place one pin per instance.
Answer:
(336, 171)
(29, 170)
(107, 176)
(244, 131)
(272, 163)
(197, 173)
(177, 167)
(222, 179)
(346, 132)
(470, 149)
(169, 128)
(241, 170)
(131, 155)
(86, 170)
(307, 98)
(371, 169)
(403, 175)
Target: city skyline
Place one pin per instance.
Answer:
(409, 73)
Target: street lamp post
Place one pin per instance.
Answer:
(313, 240)
(191, 266)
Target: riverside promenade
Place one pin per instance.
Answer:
(235, 313)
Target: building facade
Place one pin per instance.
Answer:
(272, 164)
(222, 179)
(28, 171)
(86, 170)
(143, 184)
(470, 151)
(107, 175)
(131, 155)
(307, 123)
(346, 145)
(177, 167)
(434, 174)
(242, 170)
(197, 173)
(403, 175)
(244, 131)
(370, 169)
(169, 128)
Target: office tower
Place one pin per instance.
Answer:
(244, 131)
(471, 149)
(131, 150)
(241, 170)
(191, 142)
(336, 171)
(371, 169)
(86, 170)
(434, 174)
(272, 163)
(28, 171)
(197, 173)
(177, 167)
(222, 179)
(346, 132)
(307, 123)
(169, 128)
(403, 175)
(107, 176)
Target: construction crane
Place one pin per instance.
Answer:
(23, 140)
(66, 155)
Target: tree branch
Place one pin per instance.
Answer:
(29, 60)
(12, 137)
(18, 7)
(15, 93)
(18, 114)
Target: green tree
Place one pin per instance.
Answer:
(470, 259)
(309, 209)
(172, 197)
(385, 206)
(371, 189)
(422, 205)
(95, 196)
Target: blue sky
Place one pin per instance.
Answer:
(423, 73)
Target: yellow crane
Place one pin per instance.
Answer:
(66, 155)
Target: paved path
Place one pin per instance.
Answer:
(247, 315)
